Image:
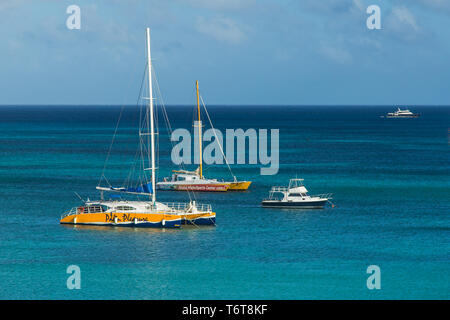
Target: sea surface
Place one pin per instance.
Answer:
(390, 179)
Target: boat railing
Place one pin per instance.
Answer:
(322, 195)
(71, 212)
(183, 207)
(276, 189)
(279, 189)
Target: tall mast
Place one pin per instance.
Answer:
(199, 131)
(152, 128)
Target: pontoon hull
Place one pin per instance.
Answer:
(135, 220)
(201, 219)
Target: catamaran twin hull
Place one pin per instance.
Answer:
(140, 220)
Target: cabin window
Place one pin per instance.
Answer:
(93, 209)
(295, 195)
(125, 208)
(181, 179)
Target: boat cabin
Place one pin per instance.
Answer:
(184, 177)
(296, 191)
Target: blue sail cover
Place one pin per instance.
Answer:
(144, 188)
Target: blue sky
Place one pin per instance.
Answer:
(306, 52)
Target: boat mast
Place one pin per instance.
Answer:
(199, 131)
(152, 129)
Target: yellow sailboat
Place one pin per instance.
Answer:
(194, 180)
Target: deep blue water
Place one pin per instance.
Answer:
(390, 179)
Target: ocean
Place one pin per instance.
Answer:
(390, 181)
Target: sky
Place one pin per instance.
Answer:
(242, 52)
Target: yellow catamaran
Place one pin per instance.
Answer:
(149, 213)
(195, 180)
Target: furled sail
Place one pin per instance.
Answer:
(144, 189)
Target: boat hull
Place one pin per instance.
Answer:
(403, 117)
(320, 204)
(239, 185)
(204, 187)
(135, 220)
(203, 219)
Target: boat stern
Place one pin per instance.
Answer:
(203, 218)
(239, 185)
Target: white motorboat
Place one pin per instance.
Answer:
(295, 196)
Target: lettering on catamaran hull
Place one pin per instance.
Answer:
(125, 218)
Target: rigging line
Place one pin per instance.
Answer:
(134, 164)
(129, 178)
(156, 114)
(110, 146)
(137, 157)
(142, 143)
(114, 136)
(103, 176)
(218, 142)
(145, 126)
(168, 125)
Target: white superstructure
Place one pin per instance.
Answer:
(406, 113)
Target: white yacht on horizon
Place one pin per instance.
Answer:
(402, 114)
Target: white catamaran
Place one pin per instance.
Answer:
(149, 213)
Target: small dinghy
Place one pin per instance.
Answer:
(295, 196)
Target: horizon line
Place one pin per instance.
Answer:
(230, 105)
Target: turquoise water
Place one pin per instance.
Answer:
(390, 179)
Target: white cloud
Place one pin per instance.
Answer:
(10, 4)
(222, 5)
(359, 5)
(402, 23)
(438, 4)
(405, 17)
(222, 29)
